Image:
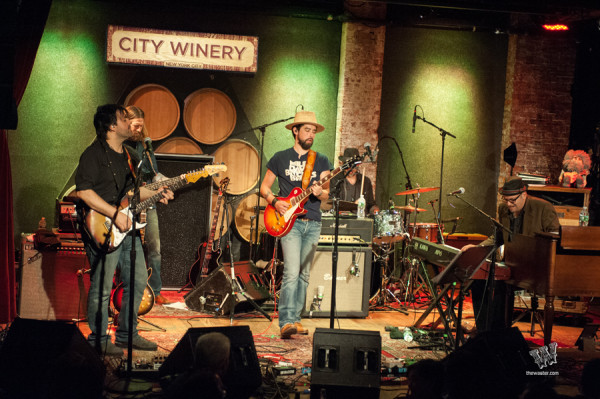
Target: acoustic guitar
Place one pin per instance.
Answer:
(210, 251)
(279, 225)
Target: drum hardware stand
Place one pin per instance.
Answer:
(236, 289)
(443, 133)
(262, 129)
(380, 298)
(535, 315)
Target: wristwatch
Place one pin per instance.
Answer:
(274, 201)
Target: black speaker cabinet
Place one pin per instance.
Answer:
(352, 291)
(346, 364)
(214, 293)
(51, 359)
(493, 364)
(52, 285)
(243, 376)
(185, 222)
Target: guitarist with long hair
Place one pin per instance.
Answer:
(297, 167)
(106, 172)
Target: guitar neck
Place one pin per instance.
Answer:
(169, 183)
(305, 193)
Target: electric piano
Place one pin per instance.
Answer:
(556, 265)
(441, 255)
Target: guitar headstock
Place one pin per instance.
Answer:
(208, 170)
(223, 184)
(355, 160)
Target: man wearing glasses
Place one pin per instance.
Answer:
(521, 214)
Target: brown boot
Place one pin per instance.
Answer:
(300, 328)
(161, 300)
(288, 330)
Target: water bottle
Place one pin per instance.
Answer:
(408, 337)
(360, 212)
(42, 223)
(584, 216)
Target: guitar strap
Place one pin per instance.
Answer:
(308, 168)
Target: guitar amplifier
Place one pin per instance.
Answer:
(351, 231)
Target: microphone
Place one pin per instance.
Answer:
(414, 118)
(456, 192)
(148, 142)
(368, 151)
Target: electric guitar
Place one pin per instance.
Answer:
(102, 230)
(147, 299)
(279, 225)
(209, 252)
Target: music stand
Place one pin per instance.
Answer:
(461, 269)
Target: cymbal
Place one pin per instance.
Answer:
(410, 208)
(344, 206)
(418, 190)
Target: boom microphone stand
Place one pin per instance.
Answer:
(236, 289)
(443, 133)
(262, 128)
(491, 280)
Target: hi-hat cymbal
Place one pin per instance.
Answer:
(418, 190)
(409, 208)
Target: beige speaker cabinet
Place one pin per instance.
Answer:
(352, 291)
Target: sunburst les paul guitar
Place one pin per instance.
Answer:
(279, 225)
(102, 229)
(210, 251)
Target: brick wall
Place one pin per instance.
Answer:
(538, 102)
(359, 98)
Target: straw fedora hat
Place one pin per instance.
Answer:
(305, 117)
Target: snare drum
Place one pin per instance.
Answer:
(426, 231)
(388, 224)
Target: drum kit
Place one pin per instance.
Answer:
(406, 281)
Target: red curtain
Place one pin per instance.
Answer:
(31, 20)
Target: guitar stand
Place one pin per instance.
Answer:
(236, 289)
(535, 315)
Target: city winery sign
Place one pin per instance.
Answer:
(177, 49)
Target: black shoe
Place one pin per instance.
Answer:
(139, 343)
(108, 349)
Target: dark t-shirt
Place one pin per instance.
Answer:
(289, 168)
(105, 171)
(351, 192)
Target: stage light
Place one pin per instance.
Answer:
(555, 27)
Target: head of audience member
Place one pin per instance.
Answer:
(212, 352)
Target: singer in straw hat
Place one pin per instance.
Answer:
(300, 244)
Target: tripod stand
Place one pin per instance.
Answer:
(237, 292)
(380, 299)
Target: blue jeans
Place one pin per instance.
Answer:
(103, 268)
(299, 247)
(152, 242)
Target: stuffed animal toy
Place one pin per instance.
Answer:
(576, 166)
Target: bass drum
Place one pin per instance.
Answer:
(244, 223)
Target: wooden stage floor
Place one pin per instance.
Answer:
(298, 350)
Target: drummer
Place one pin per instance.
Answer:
(348, 188)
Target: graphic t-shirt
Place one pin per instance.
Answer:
(288, 166)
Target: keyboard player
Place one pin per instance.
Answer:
(521, 214)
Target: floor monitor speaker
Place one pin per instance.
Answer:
(352, 288)
(185, 221)
(214, 295)
(346, 363)
(243, 376)
(41, 358)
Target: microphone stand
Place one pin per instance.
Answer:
(443, 133)
(133, 202)
(262, 128)
(491, 280)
